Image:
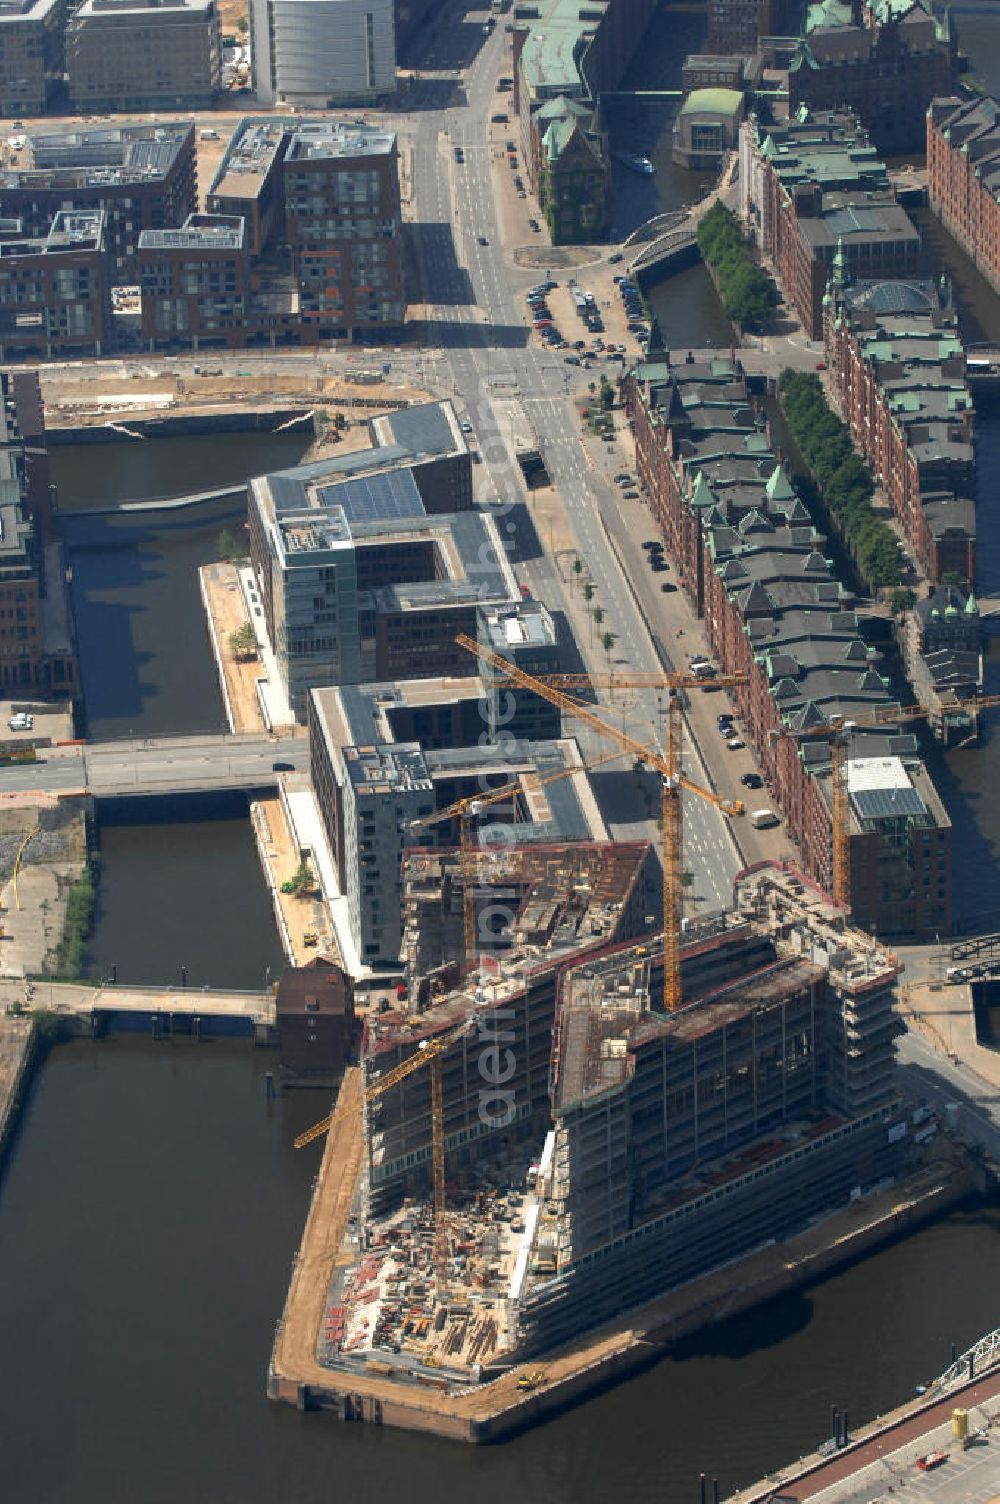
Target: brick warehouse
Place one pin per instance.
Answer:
(753, 565)
(963, 176)
(898, 370)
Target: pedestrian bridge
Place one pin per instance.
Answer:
(141, 766)
(93, 1008)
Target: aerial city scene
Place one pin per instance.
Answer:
(499, 751)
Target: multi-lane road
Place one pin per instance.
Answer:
(475, 311)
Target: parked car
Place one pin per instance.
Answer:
(657, 565)
(653, 544)
(534, 225)
(465, 426)
(282, 767)
(668, 587)
(724, 721)
(572, 360)
(752, 781)
(482, 240)
(631, 495)
(614, 260)
(735, 743)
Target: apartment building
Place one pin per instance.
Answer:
(194, 282)
(963, 176)
(31, 55)
(143, 55)
(55, 291)
(142, 176)
(898, 371)
(814, 189)
(37, 652)
(558, 902)
(756, 570)
(318, 53)
(328, 191)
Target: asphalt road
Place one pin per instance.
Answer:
(157, 765)
(932, 1076)
(476, 313)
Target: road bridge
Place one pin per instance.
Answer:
(93, 1008)
(676, 249)
(140, 766)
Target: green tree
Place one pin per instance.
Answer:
(588, 592)
(229, 546)
(607, 643)
(578, 568)
(607, 394)
(902, 600)
(243, 642)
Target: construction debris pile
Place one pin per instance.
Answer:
(388, 1309)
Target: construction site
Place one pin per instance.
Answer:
(566, 1117)
(534, 1147)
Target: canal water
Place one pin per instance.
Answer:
(148, 1220)
(152, 1206)
(145, 657)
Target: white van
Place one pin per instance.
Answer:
(763, 819)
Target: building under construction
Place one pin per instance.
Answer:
(599, 1151)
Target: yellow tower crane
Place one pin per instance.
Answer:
(837, 731)
(673, 781)
(465, 811)
(428, 1053)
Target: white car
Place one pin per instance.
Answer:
(465, 426)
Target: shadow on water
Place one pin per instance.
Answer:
(181, 898)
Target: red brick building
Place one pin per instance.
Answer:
(812, 189)
(885, 66)
(898, 372)
(963, 176)
(754, 566)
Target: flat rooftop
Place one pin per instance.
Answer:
(199, 231)
(131, 152)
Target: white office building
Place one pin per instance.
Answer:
(316, 53)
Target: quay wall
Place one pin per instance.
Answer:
(123, 428)
(641, 1337)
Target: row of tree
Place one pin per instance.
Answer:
(748, 294)
(843, 479)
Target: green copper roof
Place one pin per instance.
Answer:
(779, 487)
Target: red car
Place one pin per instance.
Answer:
(930, 1460)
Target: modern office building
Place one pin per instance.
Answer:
(812, 189)
(318, 53)
(898, 374)
(371, 784)
(963, 176)
(327, 538)
(31, 55)
(755, 568)
(143, 55)
(55, 291)
(143, 176)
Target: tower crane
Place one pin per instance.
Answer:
(837, 731)
(673, 781)
(465, 811)
(428, 1053)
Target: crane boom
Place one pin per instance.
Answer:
(673, 781)
(590, 717)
